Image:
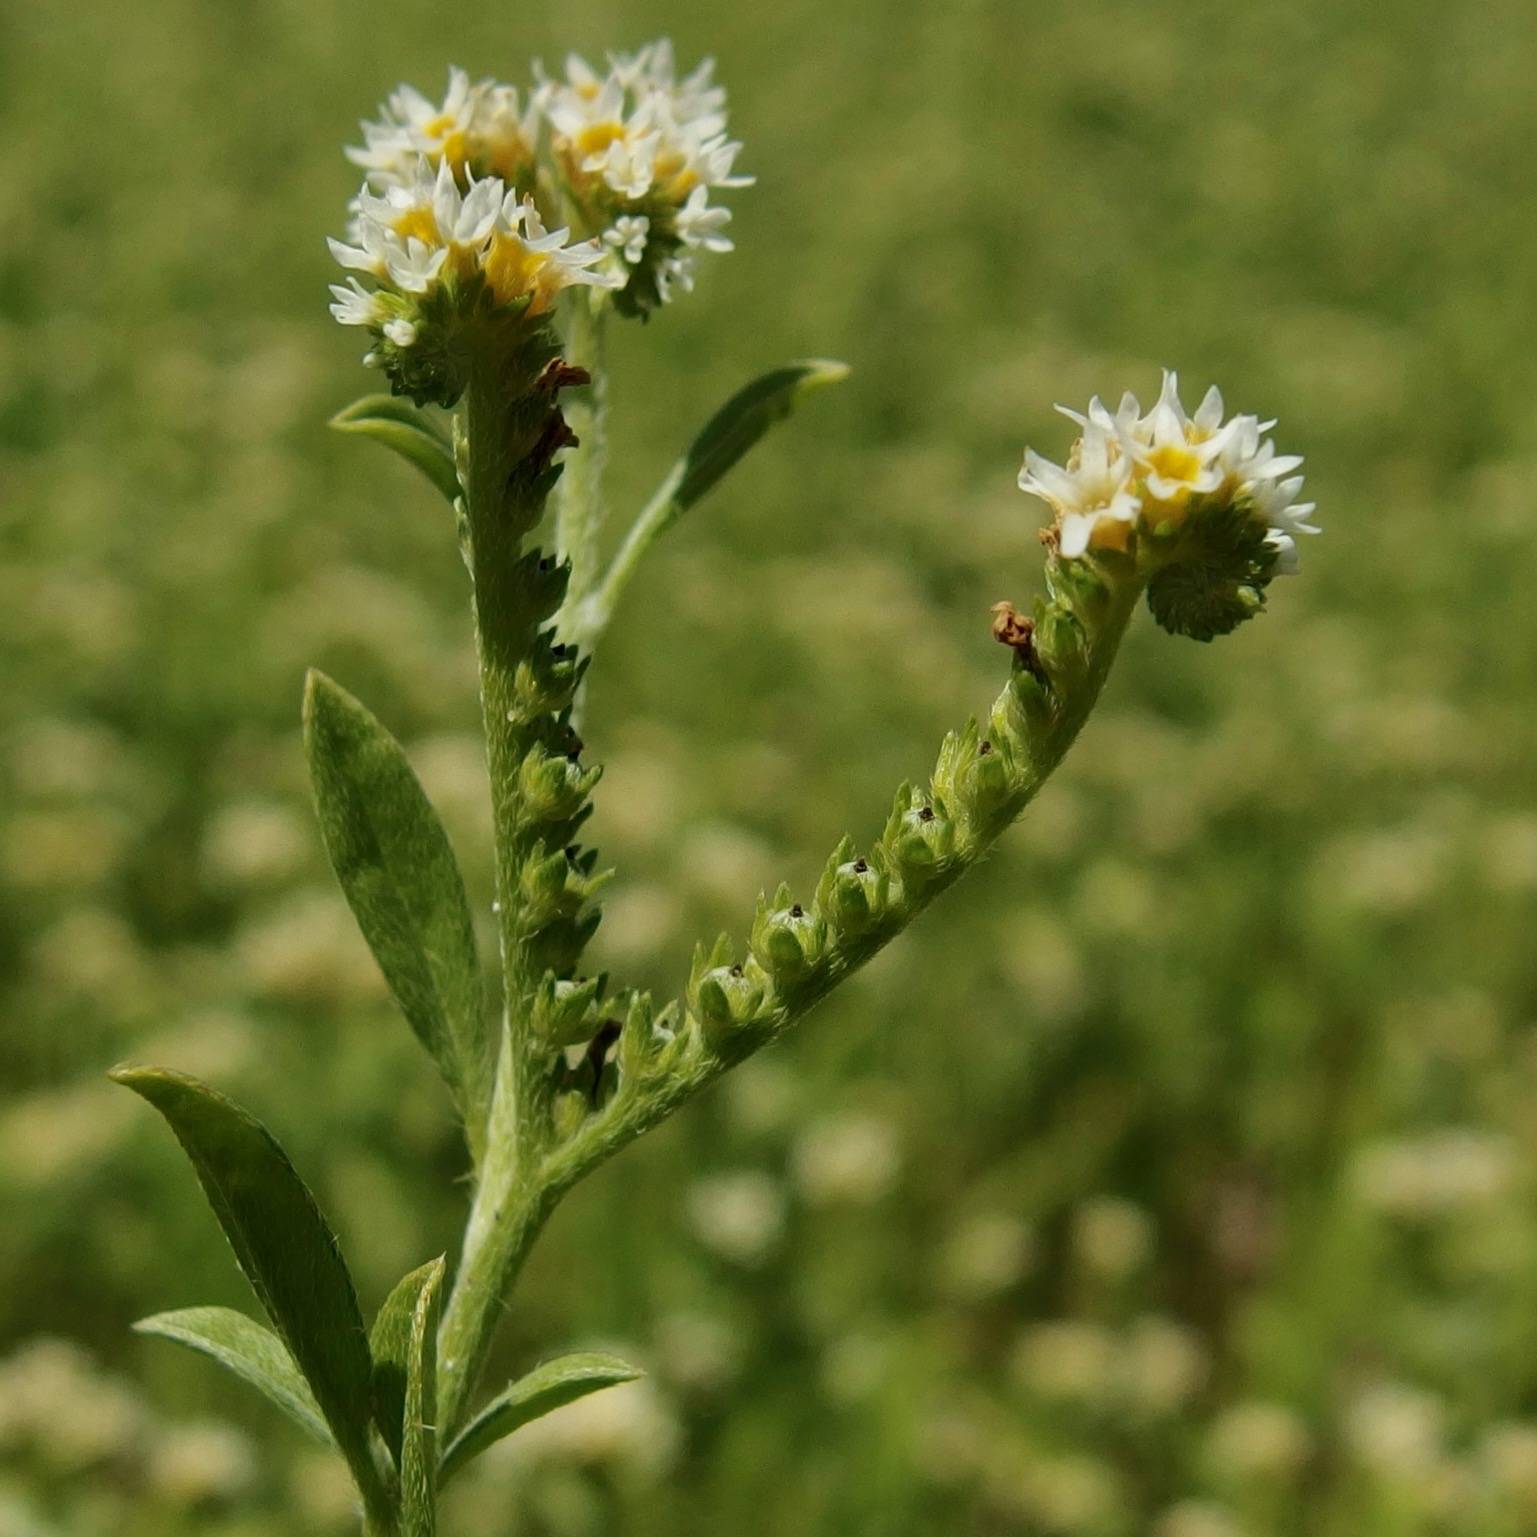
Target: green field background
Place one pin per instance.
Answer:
(1176, 1178)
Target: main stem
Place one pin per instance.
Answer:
(505, 1214)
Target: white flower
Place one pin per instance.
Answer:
(355, 305)
(628, 236)
(676, 274)
(422, 230)
(414, 267)
(525, 258)
(1131, 469)
(639, 142)
(1093, 495)
(1177, 455)
(700, 223)
(476, 127)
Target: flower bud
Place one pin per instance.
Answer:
(855, 896)
(542, 885)
(788, 940)
(553, 789)
(649, 1043)
(988, 782)
(924, 840)
(726, 996)
(540, 581)
(547, 680)
(1059, 641)
(562, 1011)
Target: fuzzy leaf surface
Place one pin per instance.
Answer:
(419, 1438)
(409, 432)
(254, 1354)
(389, 1341)
(741, 422)
(558, 1382)
(401, 879)
(283, 1243)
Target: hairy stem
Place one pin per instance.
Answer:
(590, 617)
(696, 1060)
(499, 511)
(580, 507)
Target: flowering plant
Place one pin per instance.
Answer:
(495, 236)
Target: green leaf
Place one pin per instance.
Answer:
(547, 1387)
(411, 433)
(389, 1342)
(419, 1441)
(402, 881)
(254, 1354)
(283, 1244)
(739, 424)
(724, 439)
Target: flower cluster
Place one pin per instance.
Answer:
(638, 151)
(1132, 472)
(479, 129)
(457, 195)
(435, 253)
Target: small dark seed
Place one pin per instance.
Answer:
(860, 867)
(984, 749)
(797, 911)
(736, 971)
(926, 814)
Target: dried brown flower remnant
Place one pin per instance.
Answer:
(1012, 628)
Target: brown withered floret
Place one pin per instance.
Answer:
(1017, 631)
(1012, 628)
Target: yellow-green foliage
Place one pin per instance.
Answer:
(1176, 1177)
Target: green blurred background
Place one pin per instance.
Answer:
(1177, 1176)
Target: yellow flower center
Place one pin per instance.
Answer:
(455, 148)
(1110, 534)
(420, 224)
(513, 270)
(596, 137)
(1175, 461)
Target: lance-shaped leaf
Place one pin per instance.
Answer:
(398, 871)
(547, 1387)
(724, 439)
(419, 1436)
(254, 1354)
(738, 425)
(284, 1245)
(411, 433)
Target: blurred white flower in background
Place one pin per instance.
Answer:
(852, 1158)
(739, 1216)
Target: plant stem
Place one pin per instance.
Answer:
(580, 506)
(627, 1116)
(590, 618)
(503, 634)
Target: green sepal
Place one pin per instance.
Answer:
(401, 879)
(253, 1353)
(558, 1382)
(409, 432)
(284, 1245)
